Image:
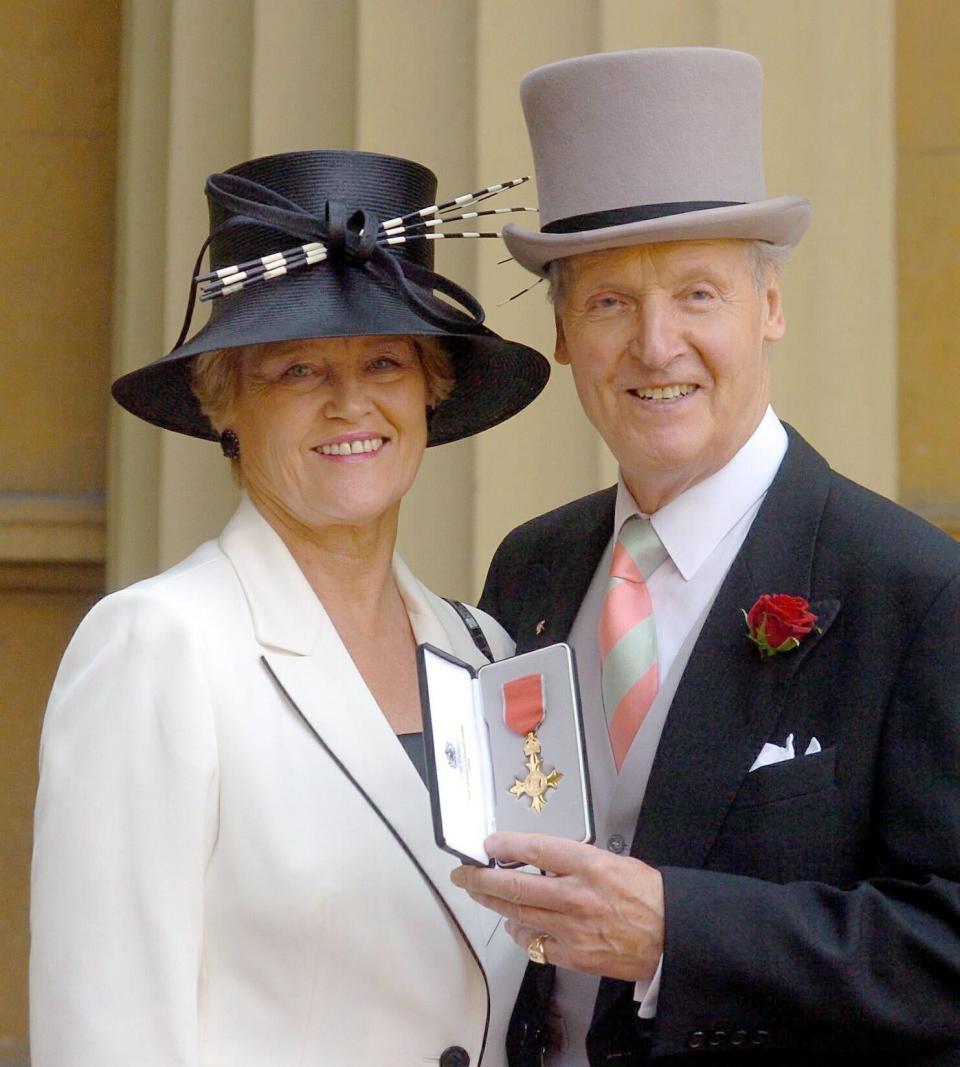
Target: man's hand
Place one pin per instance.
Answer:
(603, 913)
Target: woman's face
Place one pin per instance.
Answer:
(332, 430)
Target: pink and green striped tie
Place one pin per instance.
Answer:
(628, 639)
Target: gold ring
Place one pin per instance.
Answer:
(535, 949)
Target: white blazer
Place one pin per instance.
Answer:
(210, 888)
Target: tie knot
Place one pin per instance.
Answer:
(638, 551)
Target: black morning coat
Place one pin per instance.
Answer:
(812, 906)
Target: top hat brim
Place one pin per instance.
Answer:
(494, 378)
(781, 221)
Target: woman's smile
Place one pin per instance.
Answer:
(352, 446)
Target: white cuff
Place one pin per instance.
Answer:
(648, 993)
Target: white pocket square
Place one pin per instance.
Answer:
(771, 753)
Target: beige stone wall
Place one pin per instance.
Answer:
(57, 188)
(40, 605)
(928, 237)
(206, 83)
(829, 122)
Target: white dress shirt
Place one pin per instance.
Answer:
(702, 530)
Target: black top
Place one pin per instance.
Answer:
(413, 746)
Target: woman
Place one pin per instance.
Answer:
(234, 859)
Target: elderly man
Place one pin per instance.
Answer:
(769, 654)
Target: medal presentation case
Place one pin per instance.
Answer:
(504, 748)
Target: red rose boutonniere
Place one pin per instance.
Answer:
(777, 623)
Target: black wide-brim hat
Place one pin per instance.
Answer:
(334, 201)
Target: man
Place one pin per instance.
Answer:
(790, 782)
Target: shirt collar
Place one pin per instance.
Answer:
(694, 523)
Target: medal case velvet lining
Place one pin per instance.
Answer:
(474, 758)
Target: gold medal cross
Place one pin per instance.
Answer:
(536, 783)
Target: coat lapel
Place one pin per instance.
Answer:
(559, 584)
(729, 700)
(331, 696)
(316, 675)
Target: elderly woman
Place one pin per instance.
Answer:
(234, 859)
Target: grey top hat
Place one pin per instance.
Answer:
(657, 144)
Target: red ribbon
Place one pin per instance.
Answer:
(523, 703)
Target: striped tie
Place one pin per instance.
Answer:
(628, 639)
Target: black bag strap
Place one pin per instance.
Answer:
(473, 627)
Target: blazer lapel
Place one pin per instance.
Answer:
(729, 700)
(285, 610)
(315, 674)
(329, 693)
(559, 584)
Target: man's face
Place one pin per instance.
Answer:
(666, 345)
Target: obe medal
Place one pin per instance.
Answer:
(523, 712)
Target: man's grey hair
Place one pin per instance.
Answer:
(768, 258)
(764, 259)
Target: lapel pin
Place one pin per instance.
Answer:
(541, 626)
(779, 623)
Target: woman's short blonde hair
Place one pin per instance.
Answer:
(217, 379)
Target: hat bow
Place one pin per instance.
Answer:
(350, 236)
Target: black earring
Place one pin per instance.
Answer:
(230, 444)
